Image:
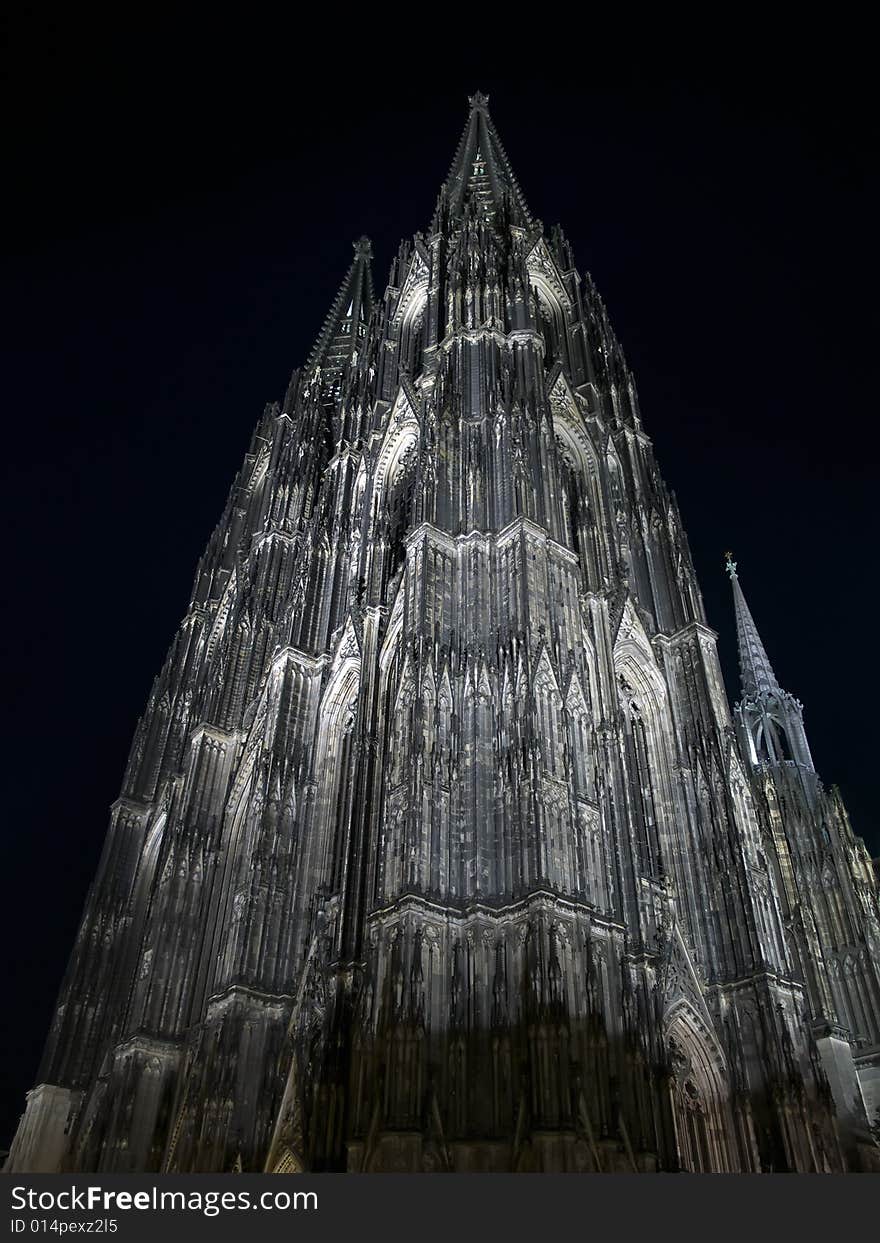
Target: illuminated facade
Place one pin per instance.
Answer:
(438, 847)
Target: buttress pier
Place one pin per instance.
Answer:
(439, 848)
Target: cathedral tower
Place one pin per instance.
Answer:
(824, 876)
(437, 848)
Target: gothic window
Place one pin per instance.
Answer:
(662, 579)
(411, 342)
(400, 731)
(579, 501)
(573, 502)
(336, 776)
(614, 483)
(551, 324)
(780, 739)
(771, 740)
(546, 325)
(581, 756)
(397, 512)
(445, 718)
(550, 722)
(838, 991)
(857, 1018)
(582, 759)
(428, 721)
(340, 758)
(444, 734)
(642, 793)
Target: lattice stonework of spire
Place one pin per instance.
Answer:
(438, 847)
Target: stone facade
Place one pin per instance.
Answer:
(438, 847)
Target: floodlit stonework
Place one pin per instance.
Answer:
(438, 847)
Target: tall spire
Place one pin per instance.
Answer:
(756, 673)
(480, 168)
(348, 315)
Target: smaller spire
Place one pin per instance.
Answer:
(349, 312)
(756, 673)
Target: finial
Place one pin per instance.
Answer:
(479, 102)
(363, 247)
(730, 564)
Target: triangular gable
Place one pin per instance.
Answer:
(678, 979)
(575, 699)
(630, 629)
(544, 671)
(348, 644)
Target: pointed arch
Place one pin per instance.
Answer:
(548, 706)
(771, 740)
(394, 631)
(337, 717)
(553, 301)
(400, 725)
(577, 712)
(142, 896)
(410, 326)
(642, 692)
(634, 659)
(445, 708)
(402, 435)
(392, 494)
(581, 510)
(573, 439)
(699, 1088)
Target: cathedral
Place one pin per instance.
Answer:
(439, 847)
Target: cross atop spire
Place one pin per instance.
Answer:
(480, 168)
(756, 673)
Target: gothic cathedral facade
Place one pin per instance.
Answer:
(439, 847)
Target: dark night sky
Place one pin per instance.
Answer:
(181, 220)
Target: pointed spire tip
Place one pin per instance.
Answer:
(481, 170)
(756, 673)
(363, 247)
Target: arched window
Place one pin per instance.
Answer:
(771, 740)
(580, 505)
(551, 324)
(395, 516)
(411, 341)
(548, 703)
(335, 790)
(400, 733)
(580, 748)
(573, 500)
(642, 794)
